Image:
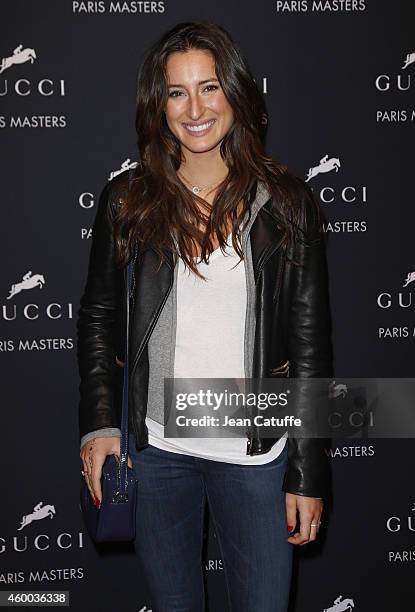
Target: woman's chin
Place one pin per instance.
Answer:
(201, 146)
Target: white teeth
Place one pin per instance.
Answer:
(199, 128)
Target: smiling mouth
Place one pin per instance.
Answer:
(199, 130)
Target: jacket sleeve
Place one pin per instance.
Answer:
(96, 324)
(310, 348)
(105, 432)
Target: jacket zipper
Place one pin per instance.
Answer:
(278, 281)
(133, 274)
(269, 255)
(264, 261)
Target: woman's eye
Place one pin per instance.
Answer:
(176, 93)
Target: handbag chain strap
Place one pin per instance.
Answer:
(123, 473)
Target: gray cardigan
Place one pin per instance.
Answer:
(161, 344)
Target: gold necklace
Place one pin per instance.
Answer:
(198, 188)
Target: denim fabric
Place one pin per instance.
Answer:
(247, 508)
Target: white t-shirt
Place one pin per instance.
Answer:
(210, 331)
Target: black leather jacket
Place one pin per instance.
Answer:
(293, 329)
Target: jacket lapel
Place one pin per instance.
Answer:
(265, 238)
(153, 285)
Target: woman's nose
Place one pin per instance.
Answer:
(195, 107)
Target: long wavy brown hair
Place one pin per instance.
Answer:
(160, 211)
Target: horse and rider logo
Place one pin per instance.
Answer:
(126, 165)
(325, 165)
(409, 279)
(337, 390)
(39, 512)
(20, 56)
(410, 59)
(28, 282)
(341, 605)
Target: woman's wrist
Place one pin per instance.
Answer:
(105, 432)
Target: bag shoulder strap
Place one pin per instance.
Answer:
(125, 393)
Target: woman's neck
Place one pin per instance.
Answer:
(203, 168)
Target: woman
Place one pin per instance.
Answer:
(230, 280)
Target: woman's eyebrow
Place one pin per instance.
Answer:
(200, 83)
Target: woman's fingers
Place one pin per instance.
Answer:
(93, 455)
(303, 536)
(92, 469)
(95, 478)
(310, 510)
(88, 483)
(314, 527)
(291, 511)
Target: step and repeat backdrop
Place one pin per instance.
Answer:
(338, 77)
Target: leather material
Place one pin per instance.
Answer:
(293, 325)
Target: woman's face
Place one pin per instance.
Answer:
(197, 111)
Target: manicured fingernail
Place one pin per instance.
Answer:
(290, 527)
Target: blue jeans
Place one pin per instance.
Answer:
(247, 507)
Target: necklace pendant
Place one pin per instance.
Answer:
(196, 189)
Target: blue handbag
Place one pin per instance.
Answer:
(115, 520)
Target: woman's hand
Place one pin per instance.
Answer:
(93, 454)
(310, 509)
